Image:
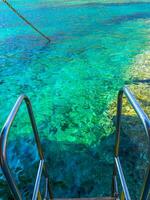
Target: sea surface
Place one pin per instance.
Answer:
(71, 82)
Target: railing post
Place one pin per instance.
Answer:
(12, 186)
(117, 142)
(118, 122)
(146, 187)
(39, 147)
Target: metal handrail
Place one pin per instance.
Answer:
(38, 180)
(3, 145)
(122, 179)
(145, 194)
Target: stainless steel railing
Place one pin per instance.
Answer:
(145, 194)
(3, 145)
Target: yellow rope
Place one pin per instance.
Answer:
(24, 19)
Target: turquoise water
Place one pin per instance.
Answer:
(71, 83)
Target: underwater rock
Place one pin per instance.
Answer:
(1, 82)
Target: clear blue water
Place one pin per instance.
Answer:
(71, 83)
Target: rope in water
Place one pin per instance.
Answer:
(25, 20)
